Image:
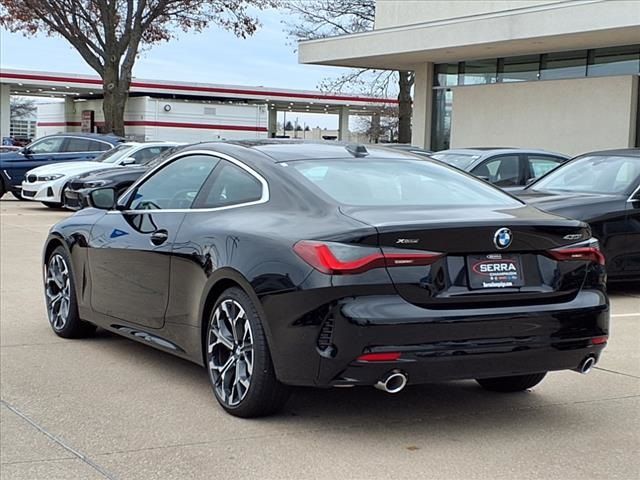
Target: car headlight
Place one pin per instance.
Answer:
(48, 178)
(94, 183)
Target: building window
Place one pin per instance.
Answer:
(623, 60)
(446, 74)
(614, 61)
(478, 72)
(519, 69)
(441, 125)
(559, 65)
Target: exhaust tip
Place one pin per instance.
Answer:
(393, 383)
(586, 365)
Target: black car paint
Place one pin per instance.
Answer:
(162, 295)
(120, 178)
(614, 219)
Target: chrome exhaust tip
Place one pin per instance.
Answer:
(392, 383)
(586, 365)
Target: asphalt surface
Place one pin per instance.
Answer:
(107, 407)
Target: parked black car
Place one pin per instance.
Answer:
(79, 187)
(276, 264)
(602, 189)
(504, 167)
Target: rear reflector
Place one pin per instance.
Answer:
(599, 340)
(588, 254)
(379, 357)
(344, 259)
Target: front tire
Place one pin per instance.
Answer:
(60, 296)
(17, 195)
(516, 383)
(52, 204)
(238, 359)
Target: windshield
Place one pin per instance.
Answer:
(460, 160)
(614, 175)
(399, 182)
(115, 154)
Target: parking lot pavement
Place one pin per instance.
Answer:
(107, 407)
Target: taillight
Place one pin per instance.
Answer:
(379, 357)
(342, 259)
(586, 251)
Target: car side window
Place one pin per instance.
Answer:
(542, 164)
(47, 145)
(176, 185)
(147, 154)
(503, 171)
(96, 146)
(231, 185)
(78, 145)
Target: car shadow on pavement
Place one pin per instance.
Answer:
(359, 407)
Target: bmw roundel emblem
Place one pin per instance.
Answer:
(502, 238)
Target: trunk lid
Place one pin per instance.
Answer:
(466, 239)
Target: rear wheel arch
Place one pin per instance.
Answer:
(228, 278)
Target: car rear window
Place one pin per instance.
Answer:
(398, 182)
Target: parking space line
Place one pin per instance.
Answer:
(637, 314)
(101, 470)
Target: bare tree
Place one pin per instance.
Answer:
(21, 107)
(325, 18)
(109, 34)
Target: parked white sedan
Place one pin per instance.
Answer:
(46, 184)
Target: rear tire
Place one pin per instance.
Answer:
(238, 360)
(516, 383)
(60, 296)
(2, 189)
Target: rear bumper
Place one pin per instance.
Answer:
(438, 345)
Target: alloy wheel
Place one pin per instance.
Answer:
(230, 352)
(58, 291)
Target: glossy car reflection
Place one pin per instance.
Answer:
(285, 263)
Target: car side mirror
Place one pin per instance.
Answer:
(485, 178)
(103, 198)
(26, 151)
(129, 161)
(531, 180)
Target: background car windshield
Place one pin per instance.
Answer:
(113, 155)
(593, 174)
(392, 182)
(460, 160)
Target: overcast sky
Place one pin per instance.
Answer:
(214, 56)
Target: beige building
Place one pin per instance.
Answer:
(559, 75)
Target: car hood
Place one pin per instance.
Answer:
(69, 168)
(583, 206)
(114, 172)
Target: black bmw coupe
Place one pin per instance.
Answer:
(276, 264)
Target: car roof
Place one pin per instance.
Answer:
(283, 150)
(488, 151)
(96, 136)
(620, 152)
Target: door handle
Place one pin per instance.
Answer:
(159, 237)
